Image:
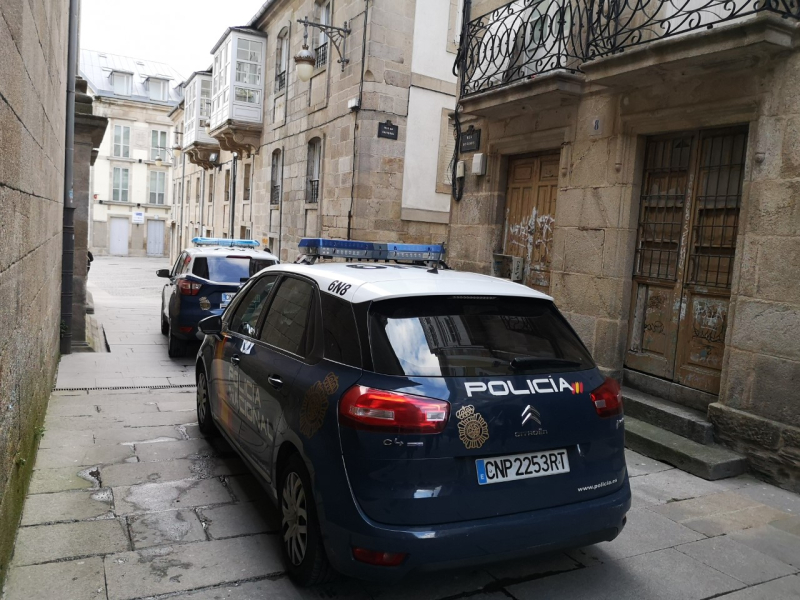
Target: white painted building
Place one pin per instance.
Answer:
(131, 180)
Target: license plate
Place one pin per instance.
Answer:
(521, 466)
(226, 299)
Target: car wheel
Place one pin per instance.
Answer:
(204, 420)
(302, 548)
(175, 347)
(164, 325)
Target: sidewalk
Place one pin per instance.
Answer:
(128, 502)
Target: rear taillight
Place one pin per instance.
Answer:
(607, 398)
(376, 410)
(189, 288)
(381, 559)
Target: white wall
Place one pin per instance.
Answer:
(422, 150)
(430, 56)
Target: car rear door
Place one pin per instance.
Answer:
(515, 439)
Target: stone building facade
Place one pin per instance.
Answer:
(33, 74)
(131, 192)
(653, 194)
(311, 161)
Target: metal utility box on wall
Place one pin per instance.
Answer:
(507, 267)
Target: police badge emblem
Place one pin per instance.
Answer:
(315, 404)
(472, 427)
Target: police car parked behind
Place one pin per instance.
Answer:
(202, 282)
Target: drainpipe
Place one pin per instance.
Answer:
(355, 120)
(183, 195)
(233, 195)
(280, 208)
(68, 219)
(202, 200)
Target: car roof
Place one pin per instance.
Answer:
(228, 251)
(378, 281)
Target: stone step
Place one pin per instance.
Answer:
(686, 422)
(709, 462)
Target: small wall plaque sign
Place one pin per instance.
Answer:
(470, 140)
(388, 130)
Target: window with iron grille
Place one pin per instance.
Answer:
(322, 55)
(281, 59)
(717, 203)
(210, 189)
(227, 186)
(313, 169)
(664, 188)
(275, 176)
(321, 47)
(247, 183)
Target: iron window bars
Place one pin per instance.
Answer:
(526, 38)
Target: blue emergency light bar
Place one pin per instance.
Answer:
(232, 243)
(325, 248)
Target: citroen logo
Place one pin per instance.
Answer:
(531, 413)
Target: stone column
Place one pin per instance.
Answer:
(89, 132)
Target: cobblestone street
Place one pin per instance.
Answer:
(128, 501)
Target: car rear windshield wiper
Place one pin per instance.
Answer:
(522, 362)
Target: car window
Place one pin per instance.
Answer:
(248, 311)
(184, 267)
(176, 268)
(228, 268)
(440, 336)
(340, 335)
(286, 325)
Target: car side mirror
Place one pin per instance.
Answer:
(211, 325)
(162, 273)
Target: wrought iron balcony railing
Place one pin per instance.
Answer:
(275, 195)
(280, 81)
(322, 55)
(526, 38)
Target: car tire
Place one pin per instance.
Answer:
(175, 347)
(164, 325)
(301, 539)
(205, 421)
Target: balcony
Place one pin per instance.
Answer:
(275, 195)
(312, 192)
(197, 144)
(529, 47)
(237, 95)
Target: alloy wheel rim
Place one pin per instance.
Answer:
(201, 399)
(294, 521)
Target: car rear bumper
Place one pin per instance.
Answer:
(479, 541)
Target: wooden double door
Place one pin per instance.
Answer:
(683, 269)
(530, 216)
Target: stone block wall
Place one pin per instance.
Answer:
(33, 48)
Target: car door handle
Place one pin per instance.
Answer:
(235, 359)
(275, 381)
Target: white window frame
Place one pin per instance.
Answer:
(118, 190)
(205, 98)
(161, 149)
(154, 84)
(158, 187)
(121, 149)
(123, 81)
(189, 113)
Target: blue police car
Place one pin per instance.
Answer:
(408, 417)
(202, 282)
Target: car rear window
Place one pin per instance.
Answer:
(437, 336)
(228, 268)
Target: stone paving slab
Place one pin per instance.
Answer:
(83, 456)
(171, 470)
(662, 575)
(671, 486)
(66, 439)
(190, 566)
(638, 464)
(61, 479)
(734, 521)
(246, 518)
(73, 580)
(786, 588)
(187, 493)
(67, 506)
(138, 435)
(46, 543)
(173, 450)
(737, 560)
(645, 532)
(281, 589)
(165, 528)
(771, 541)
(432, 586)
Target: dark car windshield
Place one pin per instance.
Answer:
(438, 336)
(228, 268)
